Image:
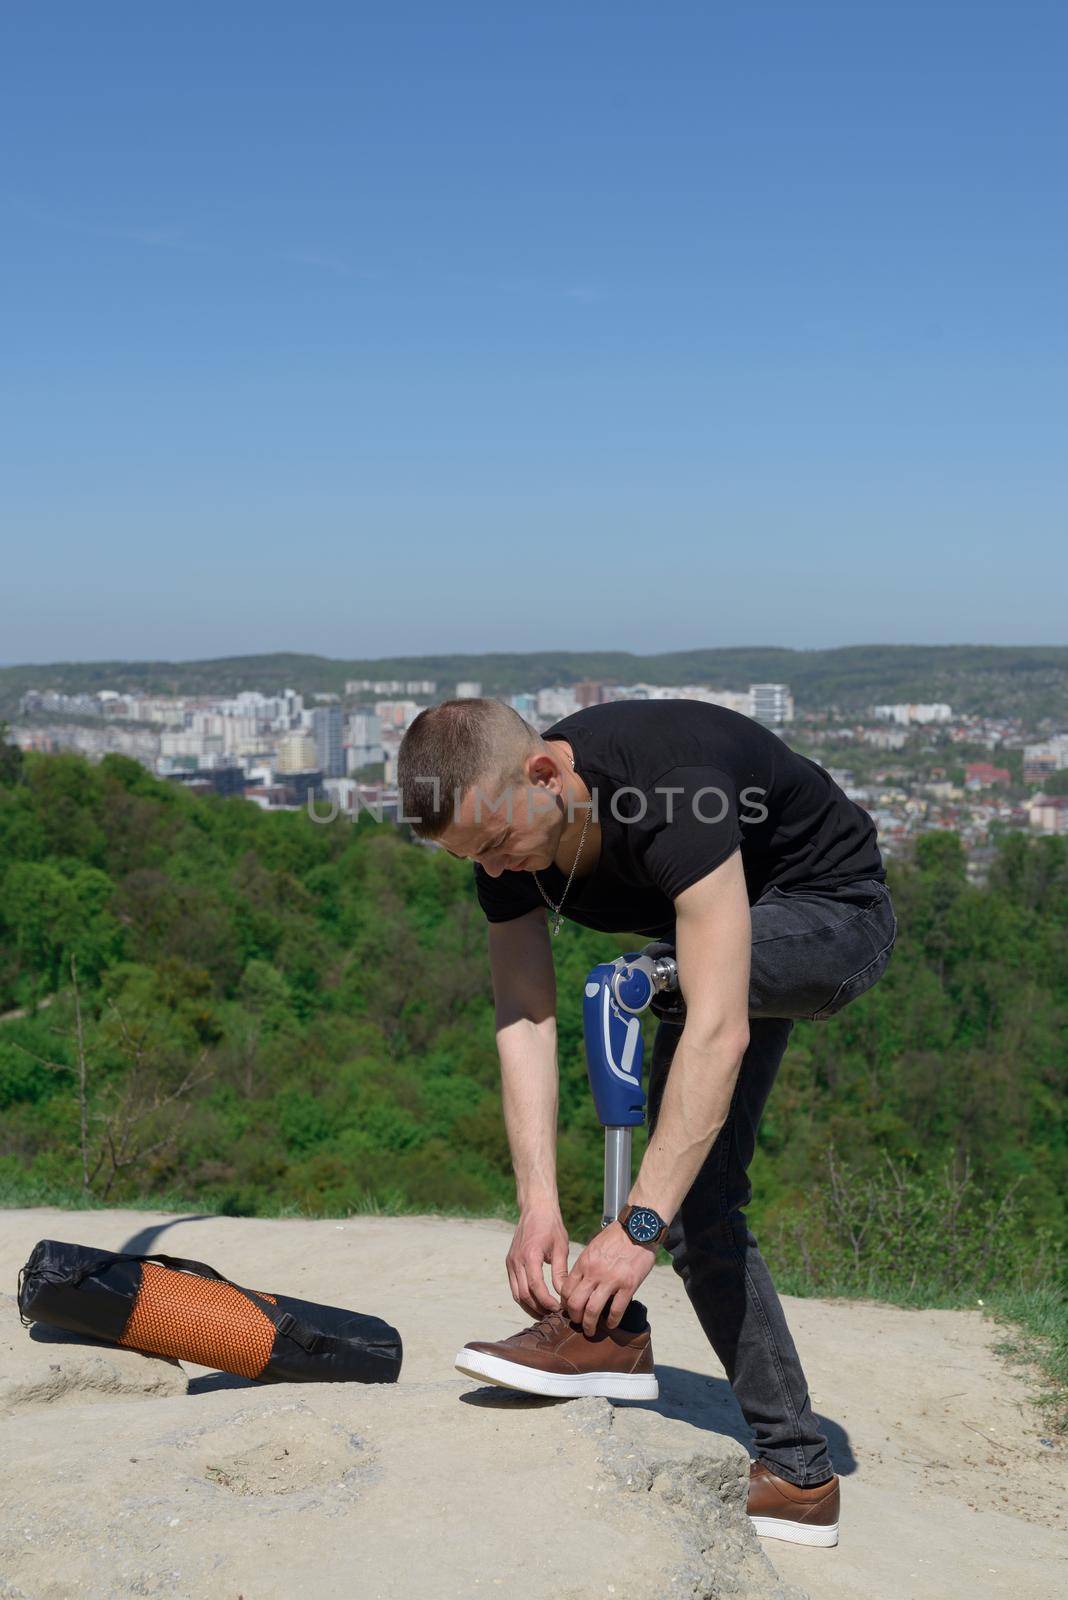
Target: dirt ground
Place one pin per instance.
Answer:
(948, 1486)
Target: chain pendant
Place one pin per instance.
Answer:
(557, 910)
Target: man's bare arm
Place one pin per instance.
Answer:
(713, 945)
(524, 994)
(524, 991)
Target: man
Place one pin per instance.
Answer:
(680, 821)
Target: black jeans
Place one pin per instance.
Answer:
(813, 952)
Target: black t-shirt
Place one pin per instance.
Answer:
(678, 786)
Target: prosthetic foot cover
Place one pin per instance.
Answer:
(173, 1307)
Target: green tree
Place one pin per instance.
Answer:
(10, 758)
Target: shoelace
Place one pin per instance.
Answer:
(544, 1327)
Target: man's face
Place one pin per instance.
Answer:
(509, 827)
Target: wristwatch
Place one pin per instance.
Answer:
(643, 1224)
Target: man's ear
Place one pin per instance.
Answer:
(541, 769)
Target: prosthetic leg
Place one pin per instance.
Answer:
(617, 992)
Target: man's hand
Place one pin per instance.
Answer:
(607, 1274)
(540, 1237)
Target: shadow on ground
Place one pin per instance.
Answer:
(144, 1242)
(685, 1396)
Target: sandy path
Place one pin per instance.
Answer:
(947, 1490)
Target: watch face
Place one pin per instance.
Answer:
(643, 1225)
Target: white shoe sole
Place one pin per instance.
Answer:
(513, 1375)
(795, 1532)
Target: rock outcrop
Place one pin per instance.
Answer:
(430, 1490)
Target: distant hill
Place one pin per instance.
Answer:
(1031, 681)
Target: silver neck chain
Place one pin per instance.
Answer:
(557, 910)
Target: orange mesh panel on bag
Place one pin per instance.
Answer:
(199, 1319)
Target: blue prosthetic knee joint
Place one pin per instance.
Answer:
(616, 994)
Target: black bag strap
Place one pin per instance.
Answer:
(285, 1322)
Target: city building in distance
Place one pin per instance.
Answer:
(915, 766)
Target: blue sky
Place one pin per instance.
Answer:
(365, 329)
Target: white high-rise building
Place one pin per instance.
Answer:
(242, 735)
(772, 703)
(557, 702)
(363, 746)
(296, 753)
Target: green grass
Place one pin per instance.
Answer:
(19, 1193)
(1036, 1324)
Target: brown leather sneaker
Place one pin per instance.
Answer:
(781, 1510)
(555, 1357)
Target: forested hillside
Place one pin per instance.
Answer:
(994, 680)
(246, 1011)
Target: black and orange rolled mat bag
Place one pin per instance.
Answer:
(168, 1306)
